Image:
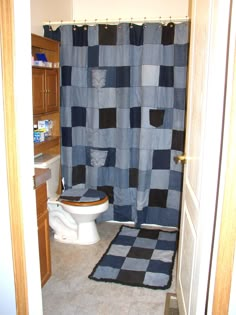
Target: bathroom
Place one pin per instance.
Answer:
(110, 15)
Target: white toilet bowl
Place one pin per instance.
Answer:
(72, 215)
(74, 222)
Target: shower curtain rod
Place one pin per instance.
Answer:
(117, 21)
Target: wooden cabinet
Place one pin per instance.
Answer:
(43, 233)
(45, 90)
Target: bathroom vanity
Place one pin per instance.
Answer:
(41, 176)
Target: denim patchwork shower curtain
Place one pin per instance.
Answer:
(123, 90)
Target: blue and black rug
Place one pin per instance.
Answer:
(139, 257)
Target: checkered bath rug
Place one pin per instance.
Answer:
(139, 257)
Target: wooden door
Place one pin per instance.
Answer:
(51, 90)
(38, 87)
(205, 109)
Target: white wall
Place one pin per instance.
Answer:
(136, 9)
(52, 10)
(68, 10)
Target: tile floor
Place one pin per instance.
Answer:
(70, 292)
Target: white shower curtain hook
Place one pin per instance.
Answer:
(131, 24)
(106, 27)
(49, 26)
(85, 26)
(144, 23)
(74, 26)
(119, 23)
(171, 24)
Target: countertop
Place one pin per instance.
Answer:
(41, 176)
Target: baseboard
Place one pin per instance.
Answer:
(171, 305)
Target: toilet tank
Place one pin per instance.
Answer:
(53, 163)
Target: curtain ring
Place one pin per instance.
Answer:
(85, 26)
(171, 24)
(144, 23)
(49, 26)
(119, 23)
(106, 27)
(95, 20)
(131, 24)
(74, 26)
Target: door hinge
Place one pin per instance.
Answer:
(34, 182)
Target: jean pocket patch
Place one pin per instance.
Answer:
(98, 157)
(156, 117)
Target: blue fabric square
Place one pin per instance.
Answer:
(136, 34)
(78, 116)
(161, 216)
(93, 56)
(66, 75)
(133, 177)
(156, 117)
(168, 33)
(181, 55)
(159, 266)
(124, 240)
(166, 76)
(55, 35)
(107, 118)
(122, 213)
(180, 98)
(135, 117)
(107, 34)
(176, 180)
(80, 35)
(113, 261)
(123, 77)
(78, 174)
(103, 272)
(166, 245)
(66, 137)
(161, 159)
(157, 198)
(177, 140)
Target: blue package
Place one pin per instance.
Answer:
(41, 57)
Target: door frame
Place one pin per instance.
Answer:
(15, 209)
(225, 232)
(16, 77)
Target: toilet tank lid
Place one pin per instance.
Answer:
(46, 159)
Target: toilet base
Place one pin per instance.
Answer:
(87, 234)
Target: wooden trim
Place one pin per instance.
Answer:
(15, 210)
(44, 43)
(227, 239)
(84, 204)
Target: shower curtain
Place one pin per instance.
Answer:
(123, 90)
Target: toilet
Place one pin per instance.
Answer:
(72, 214)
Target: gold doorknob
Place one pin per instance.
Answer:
(180, 159)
